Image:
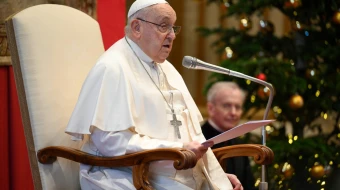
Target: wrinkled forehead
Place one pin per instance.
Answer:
(160, 12)
(230, 94)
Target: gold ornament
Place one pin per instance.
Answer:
(317, 171)
(287, 170)
(296, 101)
(336, 17)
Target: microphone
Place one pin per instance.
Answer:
(194, 63)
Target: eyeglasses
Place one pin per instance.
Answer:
(163, 27)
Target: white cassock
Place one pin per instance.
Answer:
(120, 110)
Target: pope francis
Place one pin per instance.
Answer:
(133, 99)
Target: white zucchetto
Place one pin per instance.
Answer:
(141, 4)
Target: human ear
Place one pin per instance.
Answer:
(136, 28)
(210, 108)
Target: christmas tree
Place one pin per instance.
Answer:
(303, 66)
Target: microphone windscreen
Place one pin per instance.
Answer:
(188, 62)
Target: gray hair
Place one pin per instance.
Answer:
(218, 86)
(140, 13)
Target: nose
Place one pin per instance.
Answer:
(171, 35)
(233, 110)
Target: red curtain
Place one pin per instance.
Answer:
(4, 125)
(111, 17)
(15, 171)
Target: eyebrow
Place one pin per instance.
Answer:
(163, 18)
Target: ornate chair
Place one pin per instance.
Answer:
(53, 47)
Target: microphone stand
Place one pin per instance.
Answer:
(263, 184)
(194, 63)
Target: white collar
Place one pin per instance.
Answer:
(215, 126)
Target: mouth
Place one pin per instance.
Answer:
(166, 46)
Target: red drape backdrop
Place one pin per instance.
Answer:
(111, 17)
(15, 172)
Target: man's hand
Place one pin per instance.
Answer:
(198, 148)
(235, 182)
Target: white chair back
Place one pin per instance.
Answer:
(53, 47)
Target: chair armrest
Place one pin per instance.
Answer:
(183, 159)
(262, 155)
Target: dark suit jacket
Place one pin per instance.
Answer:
(237, 165)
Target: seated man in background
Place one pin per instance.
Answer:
(133, 100)
(225, 106)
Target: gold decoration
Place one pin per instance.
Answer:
(317, 171)
(296, 101)
(336, 17)
(287, 170)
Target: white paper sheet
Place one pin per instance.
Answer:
(239, 130)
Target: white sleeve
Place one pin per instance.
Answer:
(127, 142)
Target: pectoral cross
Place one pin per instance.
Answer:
(176, 123)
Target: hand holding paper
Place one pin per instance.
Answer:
(238, 131)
